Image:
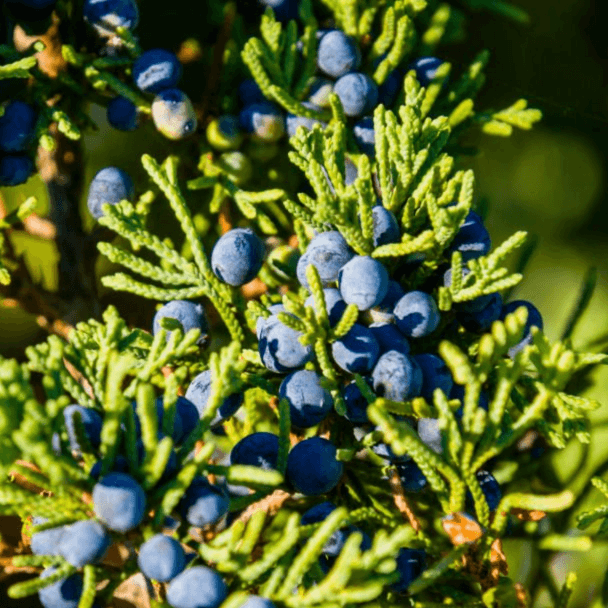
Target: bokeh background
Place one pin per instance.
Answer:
(552, 182)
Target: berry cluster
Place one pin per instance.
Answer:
(17, 142)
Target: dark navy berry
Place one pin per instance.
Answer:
(334, 304)
(357, 351)
(280, 347)
(173, 114)
(264, 120)
(17, 126)
(328, 252)
(471, 306)
(110, 185)
(389, 338)
(47, 541)
(435, 374)
(426, 69)
(199, 392)
(386, 228)
(397, 376)
(161, 558)
(107, 15)
(383, 313)
(356, 404)
(293, 122)
(411, 563)
(122, 114)
(250, 92)
(534, 320)
(364, 135)
(189, 315)
(416, 314)
(197, 587)
(357, 92)
(15, 169)
(481, 320)
(309, 402)
(224, 133)
(261, 321)
(65, 593)
(84, 542)
(472, 240)
(155, 70)
(237, 256)
(257, 450)
(203, 503)
(91, 421)
(121, 465)
(412, 478)
(119, 501)
(363, 281)
(390, 88)
(312, 467)
(284, 10)
(490, 488)
(337, 54)
(187, 413)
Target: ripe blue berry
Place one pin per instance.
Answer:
(334, 304)
(481, 320)
(197, 587)
(255, 601)
(435, 374)
(91, 421)
(119, 501)
(384, 311)
(264, 120)
(471, 306)
(534, 320)
(161, 558)
(312, 468)
(309, 402)
(107, 15)
(121, 465)
(472, 240)
(17, 126)
(122, 114)
(337, 54)
(155, 70)
(363, 281)
(65, 593)
(490, 488)
(224, 133)
(199, 392)
(390, 88)
(257, 450)
(426, 69)
(237, 256)
(386, 228)
(364, 135)
(430, 434)
(173, 114)
(15, 169)
(110, 185)
(47, 541)
(293, 121)
(385, 451)
(389, 338)
(84, 542)
(284, 10)
(261, 321)
(319, 92)
(410, 565)
(412, 478)
(357, 92)
(397, 376)
(189, 315)
(327, 252)
(357, 351)
(356, 404)
(187, 413)
(416, 314)
(280, 348)
(203, 503)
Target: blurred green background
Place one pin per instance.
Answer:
(551, 182)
